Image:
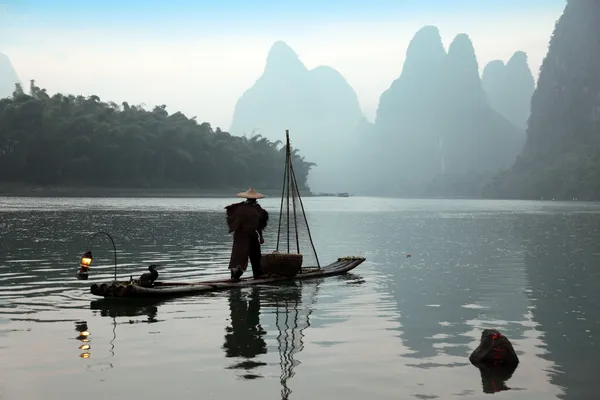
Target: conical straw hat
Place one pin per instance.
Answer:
(251, 194)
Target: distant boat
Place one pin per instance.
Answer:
(332, 194)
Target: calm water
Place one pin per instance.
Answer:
(396, 328)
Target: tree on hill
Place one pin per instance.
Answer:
(66, 140)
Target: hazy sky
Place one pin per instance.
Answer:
(199, 56)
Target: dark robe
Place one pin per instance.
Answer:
(246, 220)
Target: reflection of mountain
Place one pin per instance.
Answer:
(290, 307)
(462, 269)
(561, 260)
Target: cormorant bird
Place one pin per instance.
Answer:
(147, 279)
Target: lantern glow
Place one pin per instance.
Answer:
(86, 259)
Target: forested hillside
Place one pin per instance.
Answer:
(561, 158)
(76, 140)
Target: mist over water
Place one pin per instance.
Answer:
(396, 327)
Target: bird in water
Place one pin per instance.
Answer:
(147, 279)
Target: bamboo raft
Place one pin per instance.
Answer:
(170, 289)
(280, 266)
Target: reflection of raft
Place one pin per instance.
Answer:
(171, 289)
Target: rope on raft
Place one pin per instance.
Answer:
(290, 184)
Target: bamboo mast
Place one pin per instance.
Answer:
(290, 184)
(285, 180)
(288, 168)
(294, 189)
(305, 219)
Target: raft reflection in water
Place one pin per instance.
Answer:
(111, 309)
(245, 337)
(141, 307)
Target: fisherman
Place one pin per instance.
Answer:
(246, 220)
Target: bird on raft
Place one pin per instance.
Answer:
(147, 279)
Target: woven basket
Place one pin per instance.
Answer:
(286, 264)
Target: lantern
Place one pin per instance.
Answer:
(84, 265)
(86, 258)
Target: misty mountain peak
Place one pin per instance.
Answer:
(518, 70)
(335, 94)
(509, 87)
(324, 75)
(493, 71)
(318, 106)
(325, 70)
(462, 72)
(426, 43)
(283, 59)
(520, 57)
(424, 55)
(428, 33)
(462, 47)
(281, 50)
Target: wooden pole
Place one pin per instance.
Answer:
(305, 219)
(288, 167)
(285, 179)
(295, 191)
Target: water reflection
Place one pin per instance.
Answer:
(494, 377)
(129, 308)
(462, 272)
(465, 274)
(244, 338)
(292, 317)
(84, 338)
(561, 262)
(114, 308)
(529, 272)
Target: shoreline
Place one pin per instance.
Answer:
(25, 190)
(17, 190)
